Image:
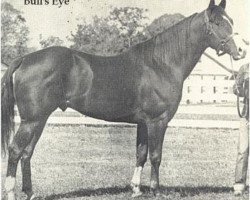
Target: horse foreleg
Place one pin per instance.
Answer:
(141, 157)
(20, 141)
(156, 132)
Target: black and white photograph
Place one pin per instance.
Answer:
(125, 99)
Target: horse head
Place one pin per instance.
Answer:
(220, 32)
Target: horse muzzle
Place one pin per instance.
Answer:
(241, 54)
(241, 48)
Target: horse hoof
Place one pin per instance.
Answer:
(157, 193)
(31, 197)
(137, 194)
(136, 190)
(160, 195)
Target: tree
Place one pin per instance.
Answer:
(121, 29)
(50, 41)
(98, 37)
(14, 35)
(131, 22)
(163, 23)
(113, 34)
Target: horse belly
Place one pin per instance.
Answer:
(107, 100)
(108, 105)
(112, 90)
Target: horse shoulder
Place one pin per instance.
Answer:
(158, 93)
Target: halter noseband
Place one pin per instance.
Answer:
(220, 50)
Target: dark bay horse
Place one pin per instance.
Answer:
(142, 86)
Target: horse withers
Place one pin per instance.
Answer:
(142, 86)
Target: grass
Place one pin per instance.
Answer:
(77, 162)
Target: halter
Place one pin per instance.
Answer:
(220, 50)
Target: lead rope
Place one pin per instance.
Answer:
(238, 97)
(238, 106)
(232, 66)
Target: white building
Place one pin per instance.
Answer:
(208, 83)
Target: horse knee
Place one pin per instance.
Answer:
(26, 156)
(14, 153)
(155, 159)
(142, 155)
(25, 161)
(144, 159)
(141, 162)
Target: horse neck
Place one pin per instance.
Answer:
(180, 47)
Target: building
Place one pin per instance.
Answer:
(208, 83)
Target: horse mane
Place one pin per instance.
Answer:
(170, 40)
(173, 43)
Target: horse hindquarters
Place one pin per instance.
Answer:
(37, 95)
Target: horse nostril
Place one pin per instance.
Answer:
(240, 49)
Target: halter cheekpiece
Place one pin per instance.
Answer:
(220, 50)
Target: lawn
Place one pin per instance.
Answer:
(78, 162)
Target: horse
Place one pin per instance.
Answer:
(142, 86)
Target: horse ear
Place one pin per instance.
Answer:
(211, 4)
(223, 4)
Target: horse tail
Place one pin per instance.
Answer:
(7, 105)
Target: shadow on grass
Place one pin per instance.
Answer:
(90, 192)
(183, 191)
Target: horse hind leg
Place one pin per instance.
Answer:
(25, 163)
(25, 137)
(141, 158)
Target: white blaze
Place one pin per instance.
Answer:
(238, 40)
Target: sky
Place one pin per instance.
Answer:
(61, 21)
